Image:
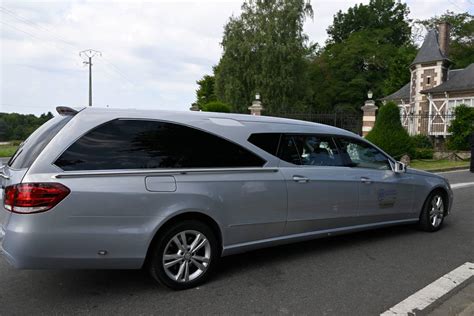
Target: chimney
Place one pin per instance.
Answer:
(443, 37)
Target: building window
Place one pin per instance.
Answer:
(428, 80)
(452, 103)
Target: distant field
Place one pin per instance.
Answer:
(7, 150)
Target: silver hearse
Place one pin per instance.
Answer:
(175, 191)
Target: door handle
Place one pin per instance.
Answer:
(300, 179)
(365, 180)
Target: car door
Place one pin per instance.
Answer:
(320, 194)
(383, 194)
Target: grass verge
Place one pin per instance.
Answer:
(7, 150)
(437, 164)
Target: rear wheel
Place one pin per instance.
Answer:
(184, 255)
(432, 215)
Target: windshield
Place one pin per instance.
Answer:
(30, 149)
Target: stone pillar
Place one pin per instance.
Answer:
(368, 118)
(256, 108)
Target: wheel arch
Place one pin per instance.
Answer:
(191, 215)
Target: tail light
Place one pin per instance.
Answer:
(27, 198)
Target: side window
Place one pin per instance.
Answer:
(266, 141)
(310, 150)
(360, 154)
(140, 144)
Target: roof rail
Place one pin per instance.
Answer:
(65, 110)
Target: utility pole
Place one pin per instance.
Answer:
(89, 54)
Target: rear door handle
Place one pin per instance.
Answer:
(365, 180)
(300, 179)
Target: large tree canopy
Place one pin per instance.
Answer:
(369, 48)
(378, 14)
(264, 52)
(462, 36)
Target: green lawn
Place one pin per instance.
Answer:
(7, 150)
(437, 164)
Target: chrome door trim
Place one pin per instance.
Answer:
(119, 173)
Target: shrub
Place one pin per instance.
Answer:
(461, 127)
(217, 106)
(423, 153)
(421, 141)
(389, 134)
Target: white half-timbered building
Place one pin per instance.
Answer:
(427, 102)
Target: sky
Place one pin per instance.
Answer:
(152, 51)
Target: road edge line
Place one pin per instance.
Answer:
(432, 292)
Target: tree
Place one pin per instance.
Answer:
(264, 52)
(462, 35)
(461, 128)
(389, 134)
(378, 14)
(217, 106)
(369, 47)
(20, 126)
(205, 93)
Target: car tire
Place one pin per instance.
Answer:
(184, 255)
(433, 212)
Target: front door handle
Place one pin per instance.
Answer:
(300, 179)
(365, 180)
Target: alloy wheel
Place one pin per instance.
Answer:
(437, 211)
(187, 256)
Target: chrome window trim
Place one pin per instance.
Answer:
(117, 173)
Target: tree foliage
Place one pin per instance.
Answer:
(369, 48)
(264, 51)
(217, 106)
(461, 128)
(378, 14)
(205, 93)
(462, 36)
(389, 134)
(14, 126)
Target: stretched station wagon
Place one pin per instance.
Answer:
(174, 191)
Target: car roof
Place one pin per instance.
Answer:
(194, 116)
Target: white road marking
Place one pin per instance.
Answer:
(429, 294)
(462, 185)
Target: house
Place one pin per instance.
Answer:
(427, 102)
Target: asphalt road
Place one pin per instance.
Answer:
(359, 274)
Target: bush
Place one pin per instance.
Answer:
(389, 134)
(461, 127)
(421, 141)
(217, 106)
(423, 153)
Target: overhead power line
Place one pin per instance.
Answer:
(52, 35)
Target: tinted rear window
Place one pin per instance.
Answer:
(266, 141)
(30, 149)
(139, 144)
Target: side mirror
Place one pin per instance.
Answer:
(399, 167)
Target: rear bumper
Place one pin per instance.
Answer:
(59, 249)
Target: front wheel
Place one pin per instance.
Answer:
(184, 255)
(432, 215)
